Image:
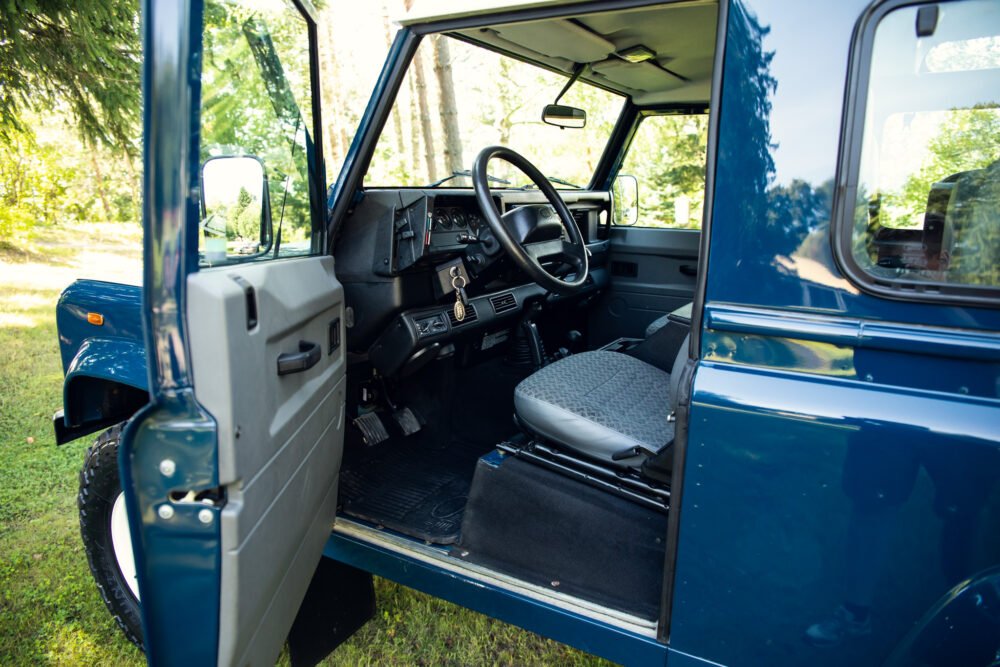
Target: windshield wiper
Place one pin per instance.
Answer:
(558, 181)
(464, 172)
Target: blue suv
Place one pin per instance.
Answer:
(668, 330)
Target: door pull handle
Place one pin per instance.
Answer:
(689, 270)
(296, 362)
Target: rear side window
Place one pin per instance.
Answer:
(921, 216)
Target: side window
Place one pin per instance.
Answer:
(256, 120)
(923, 210)
(667, 159)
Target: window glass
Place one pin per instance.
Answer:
(667, 157)
(457, 99)
(927, 206)
(256, 116)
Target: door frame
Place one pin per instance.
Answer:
(185, 546)
(171, 97)
(697, 315)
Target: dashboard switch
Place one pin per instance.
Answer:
(431, 325)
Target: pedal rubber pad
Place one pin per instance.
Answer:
(407, 421)
(372, 429)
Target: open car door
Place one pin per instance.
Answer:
(230, 473)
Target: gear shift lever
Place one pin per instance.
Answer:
(534, 339)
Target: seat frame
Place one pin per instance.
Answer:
(625, 483)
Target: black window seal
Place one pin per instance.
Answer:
(848, 166)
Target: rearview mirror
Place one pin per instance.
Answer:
(563, 116)
(625, 199)
(236, 208)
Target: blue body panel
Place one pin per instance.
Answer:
(112, 353)
(842, 447)
(121, 306)
(777, 163)
(113, 359)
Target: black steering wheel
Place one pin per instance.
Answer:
(528, 233)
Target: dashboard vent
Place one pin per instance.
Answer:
(503, 302)
(470, 316)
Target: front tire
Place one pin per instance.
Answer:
(106, 539)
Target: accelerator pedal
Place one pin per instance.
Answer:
(372, 429)
(406, 420)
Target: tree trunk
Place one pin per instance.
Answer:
(99, 183)
(415, 162)
(135, 185)
(394, 118)
(449, 112)
(425, 115)
(334, 130)
(419, 83)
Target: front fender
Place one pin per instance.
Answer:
(119, 306)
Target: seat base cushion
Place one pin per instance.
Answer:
(598, 404)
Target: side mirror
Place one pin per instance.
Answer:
(236, 208)
(625, 197)
(564, 116)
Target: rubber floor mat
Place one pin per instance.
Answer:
(412, 487)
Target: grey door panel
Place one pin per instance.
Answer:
(280, 437)
(653, 271)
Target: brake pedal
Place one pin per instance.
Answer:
(372, 429)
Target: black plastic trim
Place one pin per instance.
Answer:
(848, 166)
(317, 180)
(66, 433)
(614, 152)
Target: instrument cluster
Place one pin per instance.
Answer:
(453, 218)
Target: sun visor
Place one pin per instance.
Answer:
(490, 37)
(643, 76)
(558, 39)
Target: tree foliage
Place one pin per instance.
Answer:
(968, 139)
(49, 176)
(667, 157)
(81, 56)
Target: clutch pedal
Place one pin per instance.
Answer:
(372, 429)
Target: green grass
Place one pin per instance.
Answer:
(50, 610)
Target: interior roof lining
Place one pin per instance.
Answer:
(684, 24)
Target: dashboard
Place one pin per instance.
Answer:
(398, 248)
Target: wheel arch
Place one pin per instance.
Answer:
(105, 384)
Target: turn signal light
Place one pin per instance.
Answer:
(95, 318)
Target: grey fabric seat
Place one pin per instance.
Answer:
(598, 404)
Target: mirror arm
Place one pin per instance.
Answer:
(577, 71)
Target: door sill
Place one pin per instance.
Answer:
(438, 557)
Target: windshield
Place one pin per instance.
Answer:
(458, 98)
